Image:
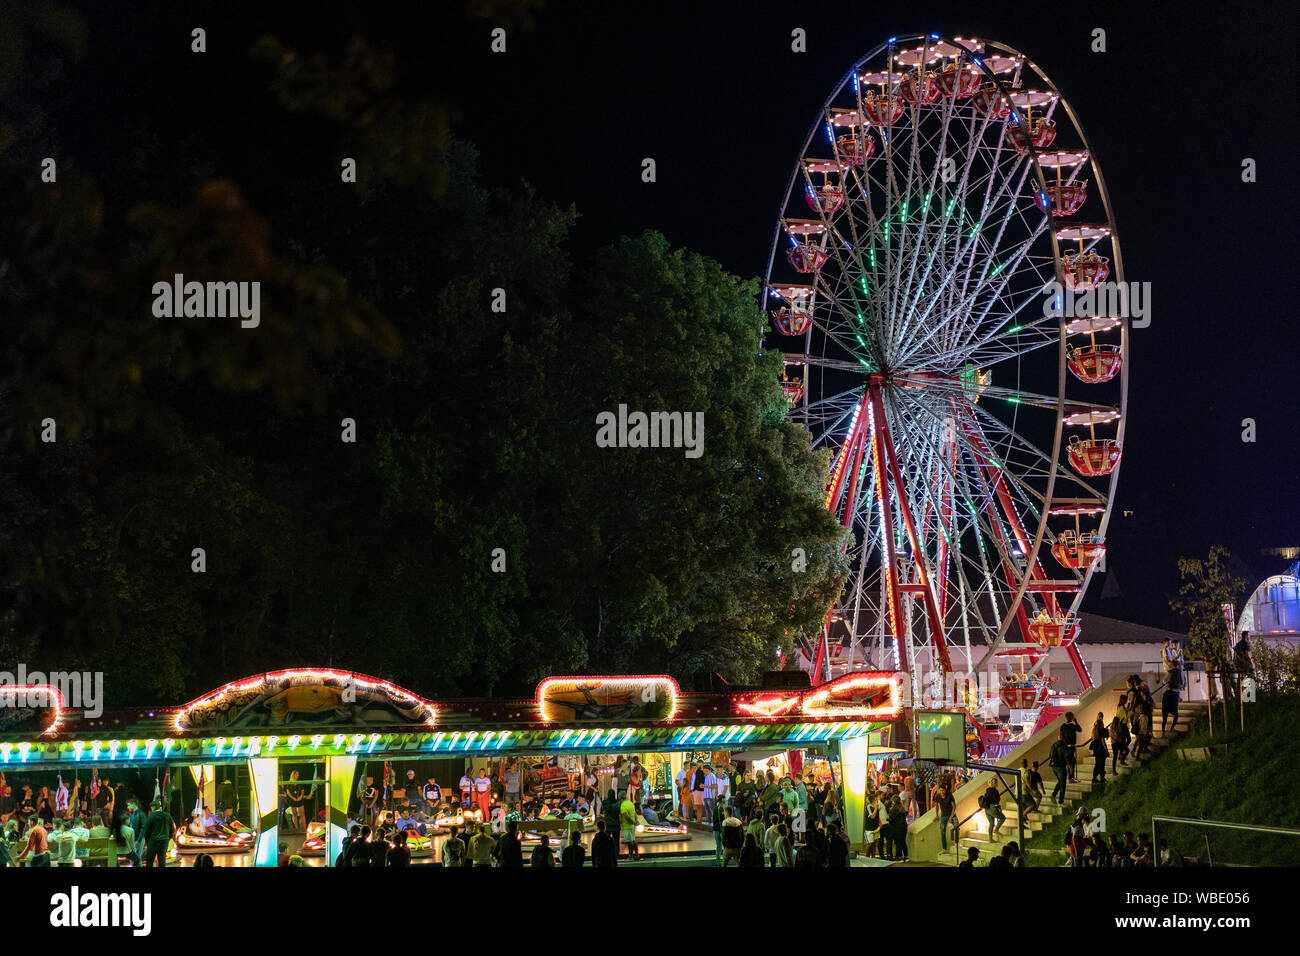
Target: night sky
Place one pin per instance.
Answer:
(714, 94)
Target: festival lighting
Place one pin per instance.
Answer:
(821, 703)
(769, 706)
(299, 677)
(49, 695)
(647, 689)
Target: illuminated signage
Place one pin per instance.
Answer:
(870, 694)
(582, 699)
(306, 696)
(863, 695)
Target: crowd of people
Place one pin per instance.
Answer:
(1089, 848)
(1127, 734)
(66, 837)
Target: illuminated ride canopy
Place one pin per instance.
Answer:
(320, 712)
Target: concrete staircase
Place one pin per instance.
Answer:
(1049, 809)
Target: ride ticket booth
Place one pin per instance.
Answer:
(313, 730)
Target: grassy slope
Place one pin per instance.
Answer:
(1255, 781)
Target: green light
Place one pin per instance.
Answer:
(1014, 329)
(902, 216)
(873, 258)
(998, 268)
(860, 341)
(863, 282)
(1013, 401)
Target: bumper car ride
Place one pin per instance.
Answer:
(227, 839)
(663, 832)
(445, 819)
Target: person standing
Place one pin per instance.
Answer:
(910, 805)
(710, 793)
(770, 838)
(1143, 731)
(1171, 656)
(481, 846)
(837, 850)
(719, 818)
(946, 807)
(513, 783)
(634, 776)
(604, 851)
(575, 854)
(898, 827)
(483, 792)
(370, 802)
(874, 814)
(543, 855)
(294, 795)
(137, 827)
(751, 854)
(697, 792)
(453, 850)
(399, 854)
(683, 781)
(1098, 747)
(157, 831)
(466, 787)
(509, 851)
(1070, 731)
(627, 823)
(784, 849)
(1059, 760)
(724, 785)
(732, 839)
(1118, 743)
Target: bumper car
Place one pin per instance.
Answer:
(662, 832)
(313, 843)
(231, 837)
(457, 815)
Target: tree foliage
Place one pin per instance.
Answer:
(1207, 585)
(475, 428)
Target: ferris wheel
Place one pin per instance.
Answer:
(975, 416)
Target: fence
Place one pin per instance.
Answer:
(1220, 843)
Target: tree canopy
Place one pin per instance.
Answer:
(475, 428)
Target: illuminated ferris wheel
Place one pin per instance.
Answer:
(976, 423)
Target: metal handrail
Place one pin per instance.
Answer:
(1156, 819)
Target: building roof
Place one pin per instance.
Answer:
(1096, 629)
